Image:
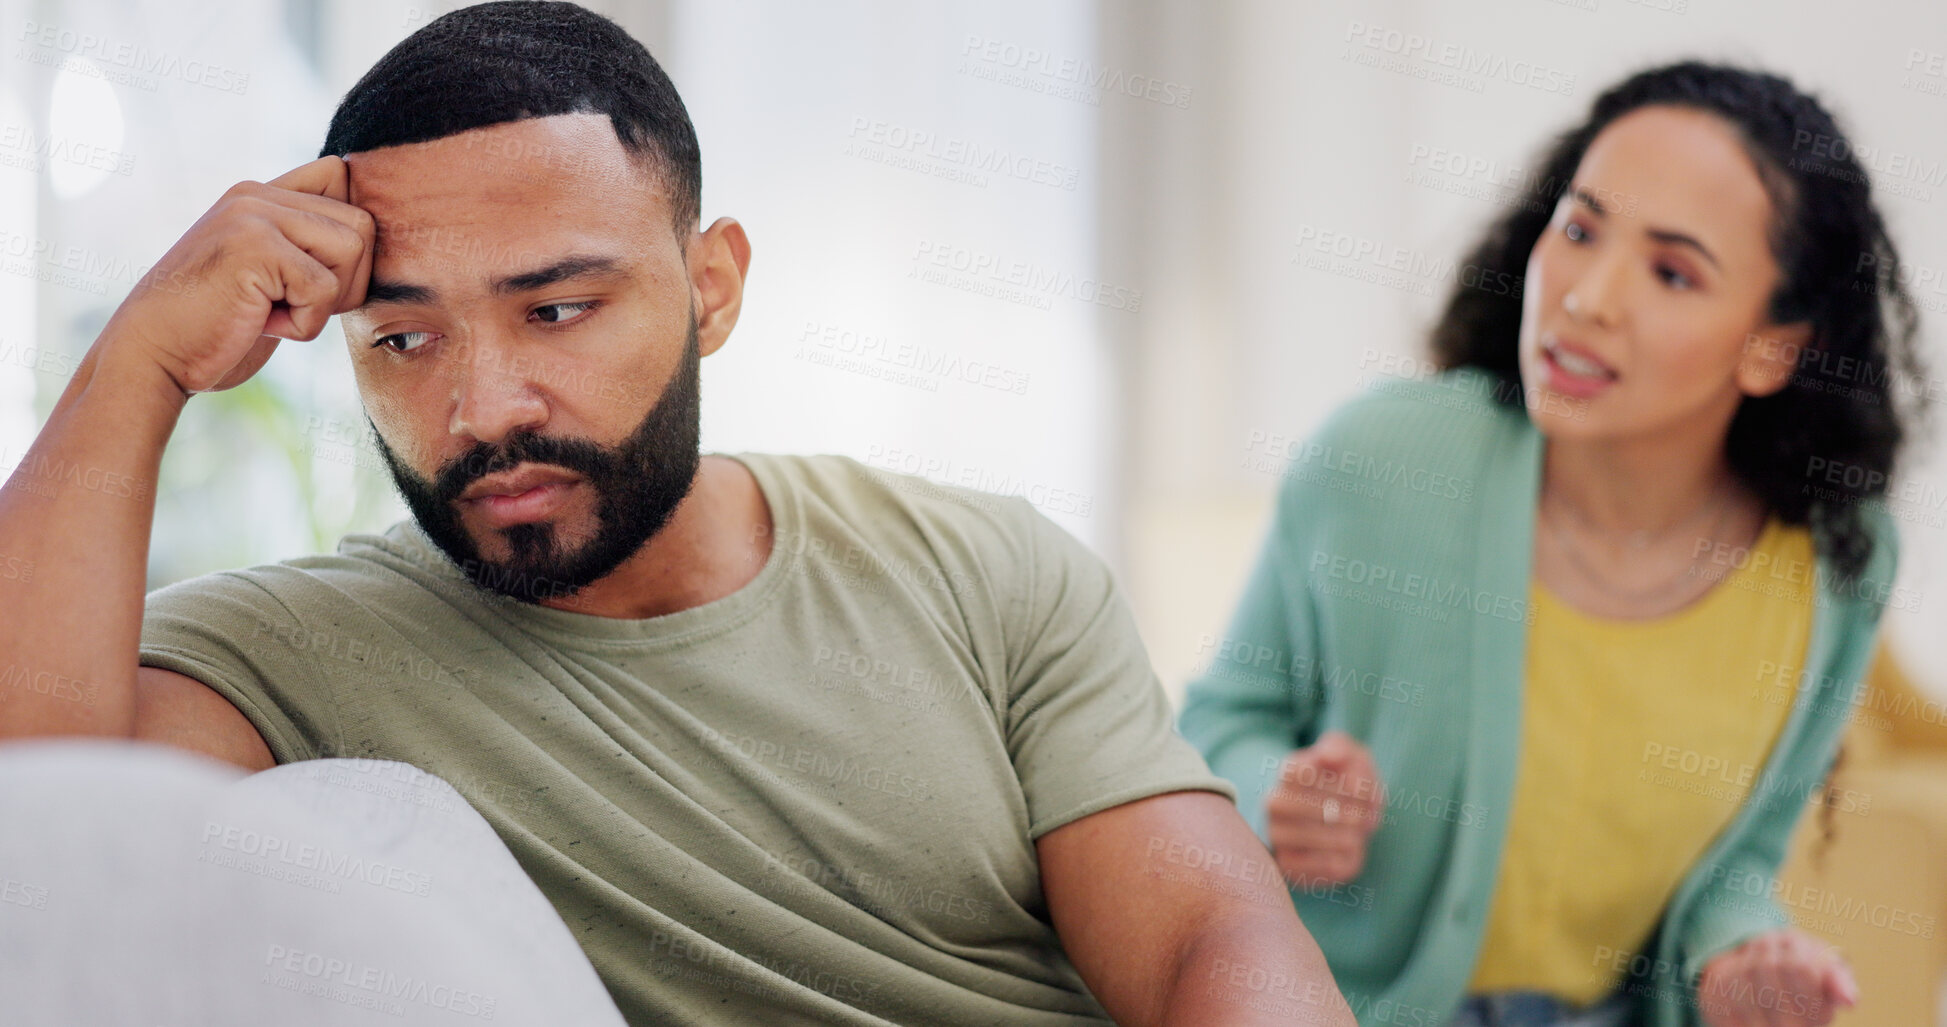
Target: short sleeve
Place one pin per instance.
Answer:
(233, 635)
(1088, 726)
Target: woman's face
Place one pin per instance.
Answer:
(1643, 312)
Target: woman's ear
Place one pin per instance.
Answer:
(1771, 355)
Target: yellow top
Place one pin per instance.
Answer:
(1639, 739)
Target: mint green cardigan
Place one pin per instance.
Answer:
(1390, 601)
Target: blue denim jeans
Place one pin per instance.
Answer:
(1538, 1009)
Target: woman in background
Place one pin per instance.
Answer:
(1502, 691)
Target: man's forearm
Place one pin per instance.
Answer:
(75, 517)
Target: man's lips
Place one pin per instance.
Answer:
(519, 496)
(515, 482)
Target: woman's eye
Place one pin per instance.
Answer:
(1574, 232)
(406, 341)
(558, 313)
(1671, 276)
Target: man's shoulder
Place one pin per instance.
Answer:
(366, 568)
(867, 495)
(850, 511)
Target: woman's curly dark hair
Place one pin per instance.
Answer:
(1859, 386)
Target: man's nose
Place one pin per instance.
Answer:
(491, 401)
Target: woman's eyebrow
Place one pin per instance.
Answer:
(1663, 235)
(1668, 236)
(1586, 199)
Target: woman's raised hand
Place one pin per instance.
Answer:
(1327, 803)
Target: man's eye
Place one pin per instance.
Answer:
(403, 342)
(559, 313)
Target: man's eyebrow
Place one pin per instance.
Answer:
(574, 266)
(380, 290)
(1663, 235)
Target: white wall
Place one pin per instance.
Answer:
(923, 291)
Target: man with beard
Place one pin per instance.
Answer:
(783, 740)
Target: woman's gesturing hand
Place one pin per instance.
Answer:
(1783, 978)
(1326, 805)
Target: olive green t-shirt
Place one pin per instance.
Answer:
(814, 800)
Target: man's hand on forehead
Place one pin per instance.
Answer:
(268, 261)
(330, 177)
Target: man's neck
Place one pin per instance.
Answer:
(716, 540)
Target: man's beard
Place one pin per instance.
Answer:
(637, 485)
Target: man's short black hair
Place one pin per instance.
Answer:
(516, 59)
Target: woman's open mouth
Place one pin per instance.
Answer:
(1575, 372)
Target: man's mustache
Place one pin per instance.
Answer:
(577, 455)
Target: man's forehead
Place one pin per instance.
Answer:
(477, 207)
(562, 160)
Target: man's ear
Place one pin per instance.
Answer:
(1771, 355)
(719, 257)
